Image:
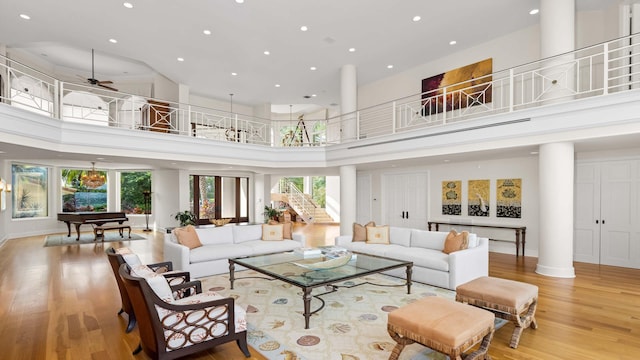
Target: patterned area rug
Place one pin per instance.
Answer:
(88, 238)
(351, 326)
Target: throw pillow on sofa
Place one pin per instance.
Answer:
(272, 232)
(360, 231)
(287, 229)
(456, 241)
(188, 237)
(378, 235)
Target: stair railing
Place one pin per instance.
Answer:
(298, 201)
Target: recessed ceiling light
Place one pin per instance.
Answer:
(113, 41)
(534, 11)
(206, 32)
(180, 59)
(239, 1)
(234, 74)
(452, 42)
(352, 49)
(534, 153)
(25, 16)
(313, 68)
(266, 52)
(277, 85)
(416, 18)
(128, 5)
(313, 95)
(303, 28)
(446, 160)
(389, 66)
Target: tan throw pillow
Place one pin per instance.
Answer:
(287, 231)
(456, 241)
(272, 232)
(188, 237)
(360, 231)
(377, 234)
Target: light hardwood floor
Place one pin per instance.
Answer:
(61, 303)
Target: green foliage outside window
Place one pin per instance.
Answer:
(30, 191)
(132, 187)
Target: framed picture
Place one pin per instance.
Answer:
(509, 198)
(478, 198)
(452, 197)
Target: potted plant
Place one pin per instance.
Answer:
(270, 213)
(186, 218)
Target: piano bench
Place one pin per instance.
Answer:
(98, 230)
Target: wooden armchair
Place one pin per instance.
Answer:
(166, 268)
(172, 328)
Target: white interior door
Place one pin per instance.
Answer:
(363, 199)
(405, 200)
(586, 241)
(394, 200)
(620, 243)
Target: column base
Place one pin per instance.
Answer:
(555, 271)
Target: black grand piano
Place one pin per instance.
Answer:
(95, 218)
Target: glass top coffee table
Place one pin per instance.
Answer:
(281, 266)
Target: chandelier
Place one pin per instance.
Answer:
(93, 178)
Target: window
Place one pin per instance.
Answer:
(78, 197)
(132, 188)
(30, 191)
(219, 197)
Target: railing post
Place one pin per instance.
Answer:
(57, 100)
(189, 122)
(512, 89)
(357, 125)
(444, 106)
(393, 124)
(133, 113)
(605, 69)
(237, 130)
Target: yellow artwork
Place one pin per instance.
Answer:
(509, 198)
(452, 197)
(478, 198)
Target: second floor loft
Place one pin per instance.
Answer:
(586, 94)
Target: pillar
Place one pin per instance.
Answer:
(262, 196)
(349, 102)
(556, 179)
(557, 36)
(347, 199)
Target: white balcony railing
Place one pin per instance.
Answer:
(597, 70)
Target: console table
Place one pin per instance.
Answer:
(519, 230)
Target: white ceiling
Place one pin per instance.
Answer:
(153, 34)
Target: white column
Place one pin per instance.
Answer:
(262, 196)
(556, 169)
(347, 199)
(184, 98)
(557, 36)
(349, 101)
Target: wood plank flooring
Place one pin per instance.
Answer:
(61, 303)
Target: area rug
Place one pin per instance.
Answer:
(351, 326)
(87, 238)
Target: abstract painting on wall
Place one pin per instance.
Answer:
(452, 197)
(478, 198)
(509, 198)
(471, 87)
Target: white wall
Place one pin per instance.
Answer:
(332, 195)
(224, 105)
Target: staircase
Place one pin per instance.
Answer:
(302, 204)
(320, 216)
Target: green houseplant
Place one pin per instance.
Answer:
(186, 218)
(270, 213)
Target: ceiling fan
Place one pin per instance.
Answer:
(93, 81)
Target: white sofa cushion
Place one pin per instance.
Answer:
(400, 236)
(473, 240)
(266, 247)
(428, 239)
(215, 235)
(217, 252)
(242, 233)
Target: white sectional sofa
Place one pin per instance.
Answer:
(430, 264)
(221, 243)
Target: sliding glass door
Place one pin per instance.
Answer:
(217, 197)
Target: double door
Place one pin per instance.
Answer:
(405, 200)
(607, 222)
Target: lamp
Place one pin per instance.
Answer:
(147, 207)
(93, 178)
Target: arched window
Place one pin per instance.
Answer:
(31, 94)
(85, 108)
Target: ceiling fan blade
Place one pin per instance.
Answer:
(107, 87)
(105, 82)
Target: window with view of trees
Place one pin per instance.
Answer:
(30, 191)
(216, 197)
(132, 187)
(78, 197)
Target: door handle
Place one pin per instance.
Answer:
(602, 221)
(407, 214)
(597, 221)
(403, 214)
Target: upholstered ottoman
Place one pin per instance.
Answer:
(442, 325)
(507, 299)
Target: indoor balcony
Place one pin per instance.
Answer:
(514, 97)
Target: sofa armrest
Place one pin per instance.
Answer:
(300, 238)
(176, 253)
(466, 265)
(343, 240)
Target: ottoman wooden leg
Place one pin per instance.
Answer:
(523, 322)
(401, 343)
(483, 351)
